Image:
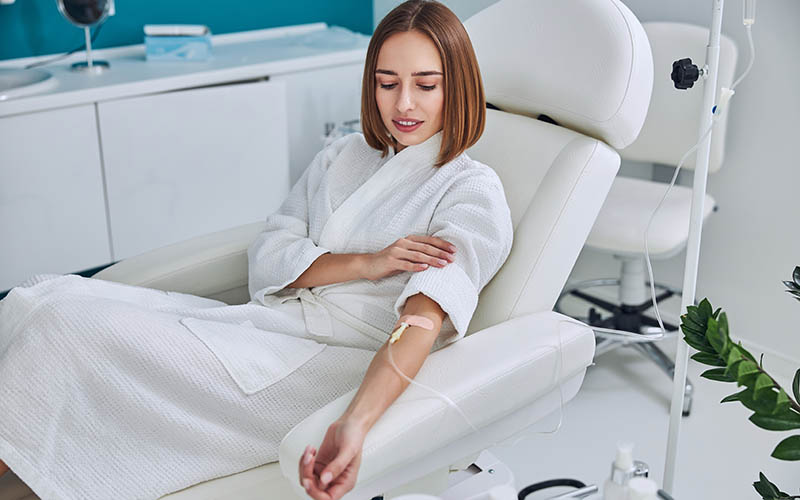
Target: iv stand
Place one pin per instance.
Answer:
(693, 247)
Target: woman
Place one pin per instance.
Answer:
(131, 392)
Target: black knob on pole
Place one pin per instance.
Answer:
(684, 73)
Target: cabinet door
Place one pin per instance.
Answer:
(187, 163)
(316, 97)
(52, 210)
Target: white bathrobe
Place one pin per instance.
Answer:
(116, 391)
(350, 200)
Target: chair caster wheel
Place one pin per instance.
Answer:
(594, 317)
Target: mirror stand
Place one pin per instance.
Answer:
(90, 65)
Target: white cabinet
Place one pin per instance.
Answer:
(153, 154)
(190, 162)
(316, 97)
(52, 211)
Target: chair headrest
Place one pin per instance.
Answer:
(584, 63)
(673, 118)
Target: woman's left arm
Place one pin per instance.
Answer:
(332, 472)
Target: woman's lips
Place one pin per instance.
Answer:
(404, 128)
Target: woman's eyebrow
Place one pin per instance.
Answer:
(417, 73)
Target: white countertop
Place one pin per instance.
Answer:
(235, 57)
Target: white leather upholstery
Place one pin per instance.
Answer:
(489, 376)
(553, 178)
(556, 180)
(583, 63)
(619, 229)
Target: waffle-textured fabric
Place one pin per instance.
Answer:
(351, 200)
(110, 391)
(116, 391)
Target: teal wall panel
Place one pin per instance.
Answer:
(36, 27)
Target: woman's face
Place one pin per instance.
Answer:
(408, 87)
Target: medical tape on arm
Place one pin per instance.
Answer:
(405, 323)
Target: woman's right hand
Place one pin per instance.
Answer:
(412, 253)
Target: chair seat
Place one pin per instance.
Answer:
(620, 227)
(259, 483)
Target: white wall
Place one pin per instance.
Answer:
(752, 243)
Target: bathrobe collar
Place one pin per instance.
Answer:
(396, 167)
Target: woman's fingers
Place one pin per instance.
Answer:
(434, 241)
(337, 466)
(310, 484)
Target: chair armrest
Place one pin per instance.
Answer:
(489, 375)
(207, 266)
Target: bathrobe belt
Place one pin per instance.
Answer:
(317, 312)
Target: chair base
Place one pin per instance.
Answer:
(629, 317)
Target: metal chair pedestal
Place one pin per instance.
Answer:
(629, 316)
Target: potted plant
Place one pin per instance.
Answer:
(774, 409)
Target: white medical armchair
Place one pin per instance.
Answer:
(669, 130)
(585, 64)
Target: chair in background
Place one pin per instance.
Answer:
(669, 130)
(537, 57)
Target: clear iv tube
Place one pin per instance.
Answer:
(450, 402)
(717, 112)
(633, 336)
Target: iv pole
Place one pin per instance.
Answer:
(693, 247)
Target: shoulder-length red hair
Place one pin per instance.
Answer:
(464, 109)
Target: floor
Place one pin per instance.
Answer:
(626, 398)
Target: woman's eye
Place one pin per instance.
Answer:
(392, 85)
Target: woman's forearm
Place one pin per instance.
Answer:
(382, 384)
(331, 268)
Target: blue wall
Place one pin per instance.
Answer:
(36, 27)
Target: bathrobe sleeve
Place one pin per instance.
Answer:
(283, 251)
(474, 216)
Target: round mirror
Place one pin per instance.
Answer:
(86, 13)
(83, 13)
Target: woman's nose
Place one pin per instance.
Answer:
(405, 100)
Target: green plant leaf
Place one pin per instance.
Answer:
(733, 397)
(717, 374)
(766, 489)
(796, 386)
(696, 316)
(697, 335)
(781, 401)
(762, 382)
(746, 368)
(785, 421)
(724, 333)
(693, 324)
(788, 449)
(745, 351)
(714, 335)
(705, 308)
(764, 405)
(700, 346)
(708, 359)
(716, 313)
(796, 275)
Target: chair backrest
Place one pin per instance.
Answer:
(672, 122)
(587, 65)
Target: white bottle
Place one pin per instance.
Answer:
(642, 488)
(622, 470)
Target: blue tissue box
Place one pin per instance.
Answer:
(177, 48)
